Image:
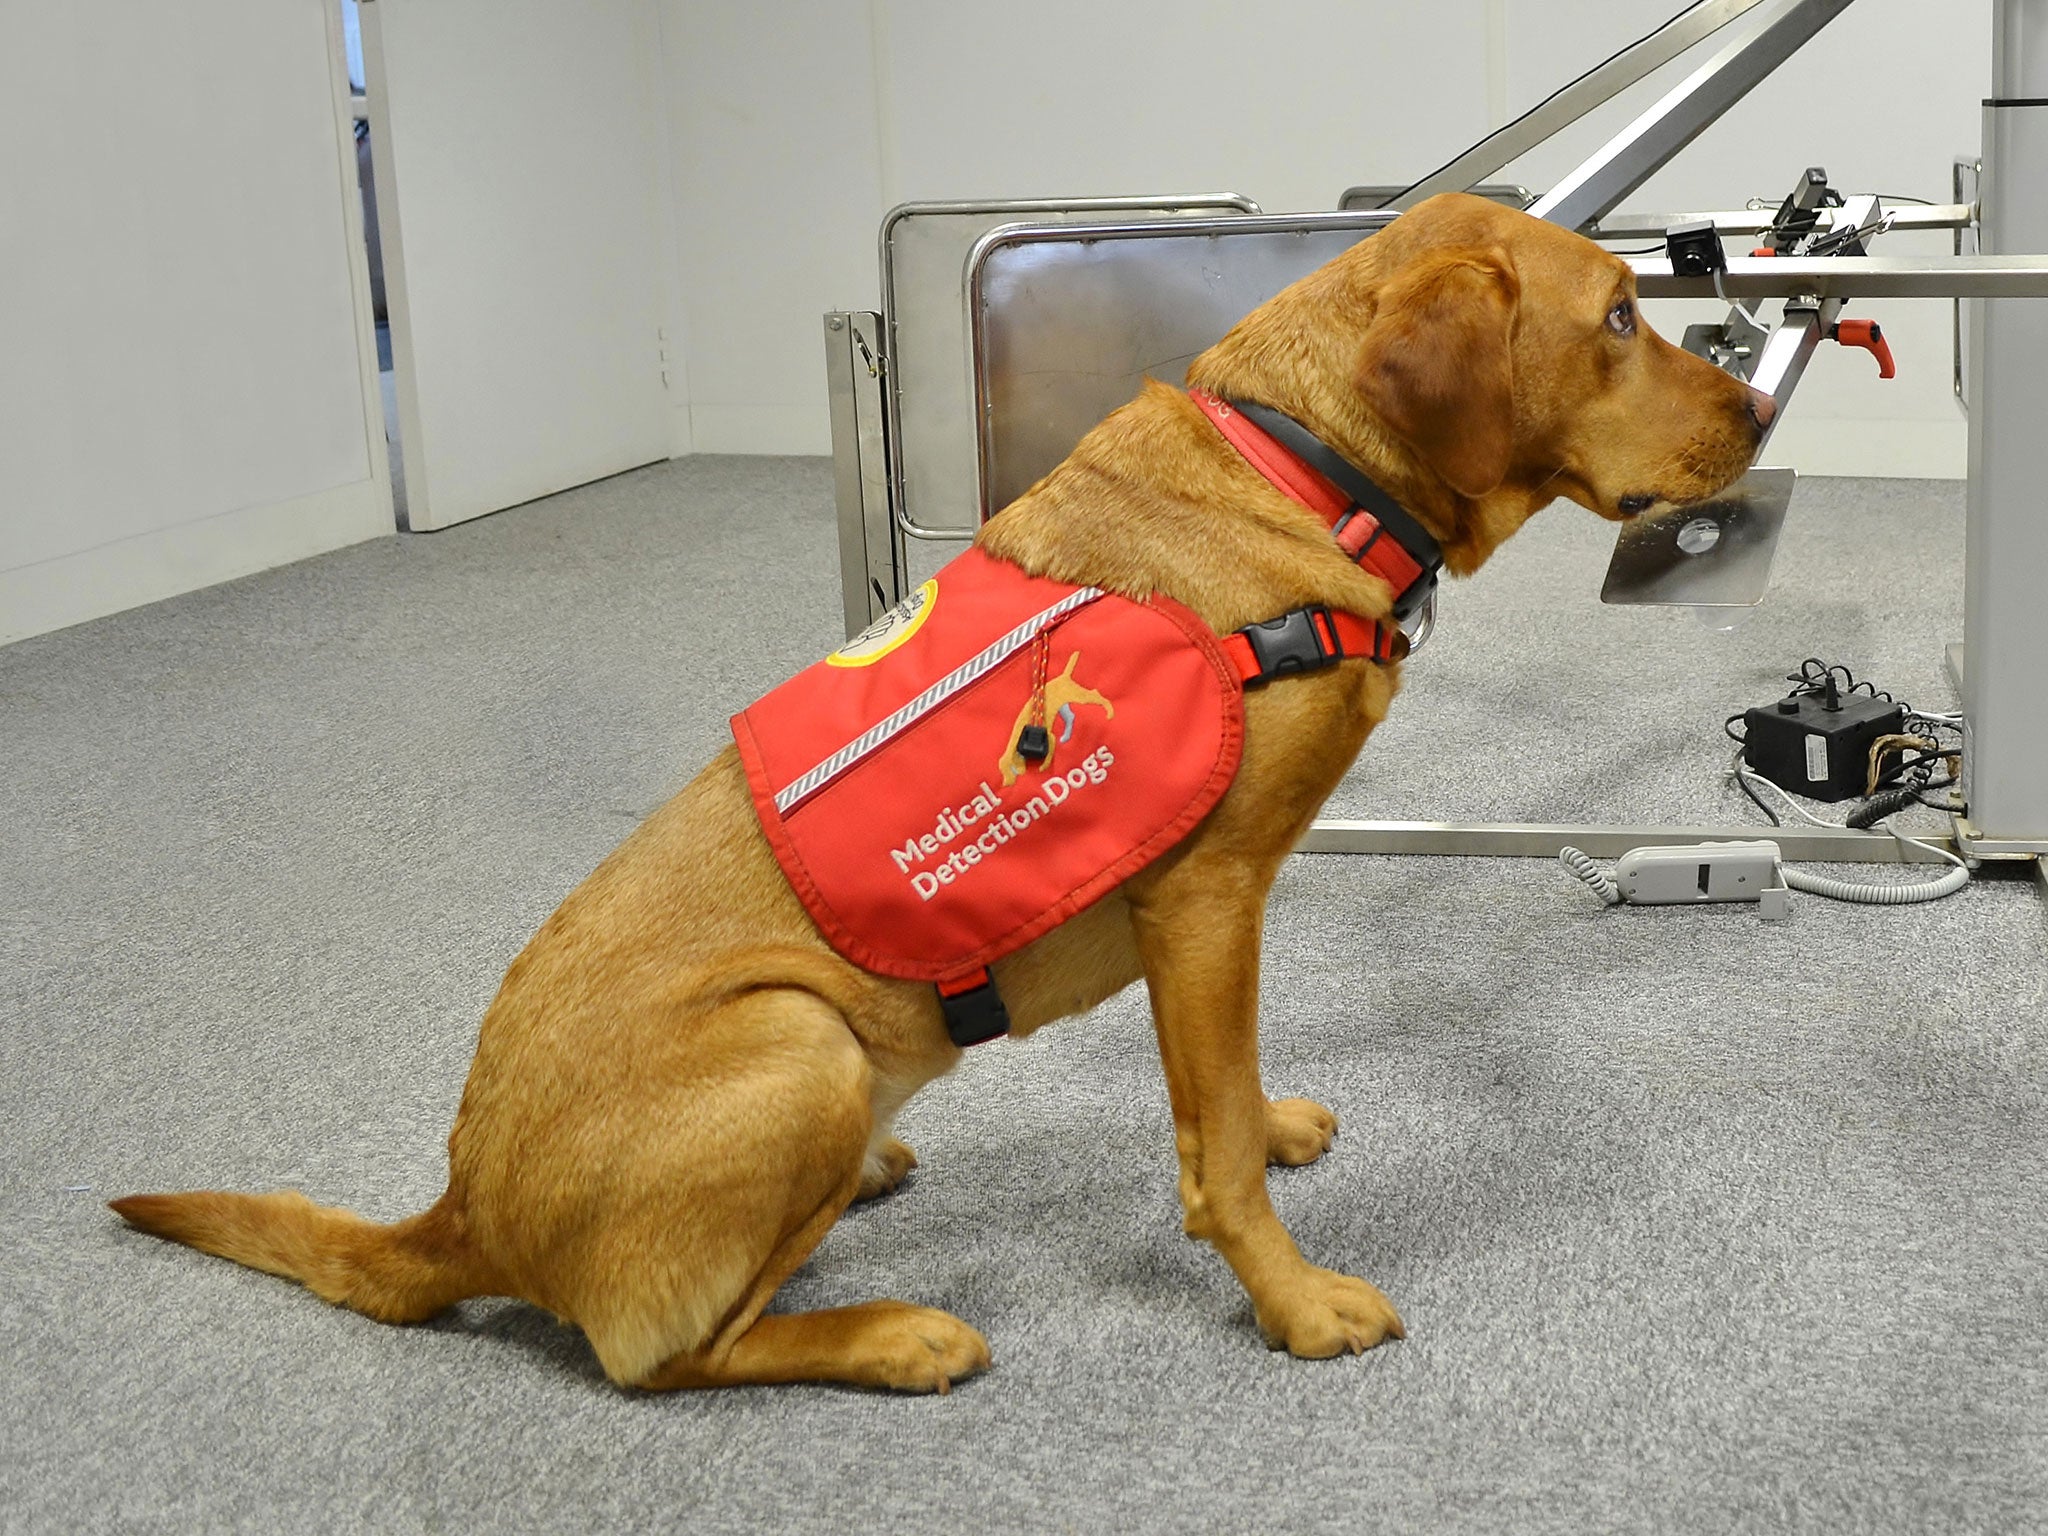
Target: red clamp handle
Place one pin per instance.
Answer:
(1865, 334)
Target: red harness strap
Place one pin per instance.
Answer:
(1357, 532)
(1308, 639)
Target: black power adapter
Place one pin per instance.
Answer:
(1817, 743)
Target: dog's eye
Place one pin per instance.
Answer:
(1622, 319)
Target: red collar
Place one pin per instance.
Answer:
(1359, 533)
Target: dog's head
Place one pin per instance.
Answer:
(1487, 362)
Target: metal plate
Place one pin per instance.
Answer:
(924, 256)
(1716, 554)
(1066, 323)
(1512, 193)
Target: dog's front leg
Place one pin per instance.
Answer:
(1198, 937)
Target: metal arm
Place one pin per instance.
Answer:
(1754, 221)
(1567, 105)
(1868, 277)
(1635, 154)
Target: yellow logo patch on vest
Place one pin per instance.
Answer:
(889, 631)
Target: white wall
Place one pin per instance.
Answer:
(777, 199)
(181, 396)
(797, 126)
(181, 399)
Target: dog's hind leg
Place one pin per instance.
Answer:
(875, 1344)
(778, 1148)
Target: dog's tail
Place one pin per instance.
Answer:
(403, 1273)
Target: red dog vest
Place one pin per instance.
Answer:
(1000, 750)
(890, 783)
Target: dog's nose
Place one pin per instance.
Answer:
(1762, 409)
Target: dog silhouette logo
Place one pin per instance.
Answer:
(1060, 697)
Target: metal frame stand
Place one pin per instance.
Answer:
(2007, 742)
(2005, 622)
(872, 558)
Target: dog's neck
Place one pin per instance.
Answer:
(1155, 499)
(1369, 525)
(1299, 370)
(1467, 529)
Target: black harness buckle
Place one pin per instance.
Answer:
(974, 1013)
(1300, 640)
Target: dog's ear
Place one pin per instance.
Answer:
(1437, 366)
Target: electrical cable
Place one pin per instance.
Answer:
(1736, 304)
(1899, 895)
(1886, 802)
(1818, 678)
(1889, 895)
(1595, 877)
(1814, 674)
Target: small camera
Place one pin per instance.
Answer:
(1695, 249)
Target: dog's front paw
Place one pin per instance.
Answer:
(1298, 1131)
(915, 1349)
(886, 1167)
(1325, 1313)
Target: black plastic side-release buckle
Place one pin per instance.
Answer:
(973, 1008)
(1300, 640)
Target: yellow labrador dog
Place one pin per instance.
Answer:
(680, 1085)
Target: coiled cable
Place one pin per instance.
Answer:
(1881, 895)
(1885, 895)
(1595, 877)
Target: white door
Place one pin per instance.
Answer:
(188, 379)
(517, 169)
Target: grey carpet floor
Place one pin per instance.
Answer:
(1698, 1223)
